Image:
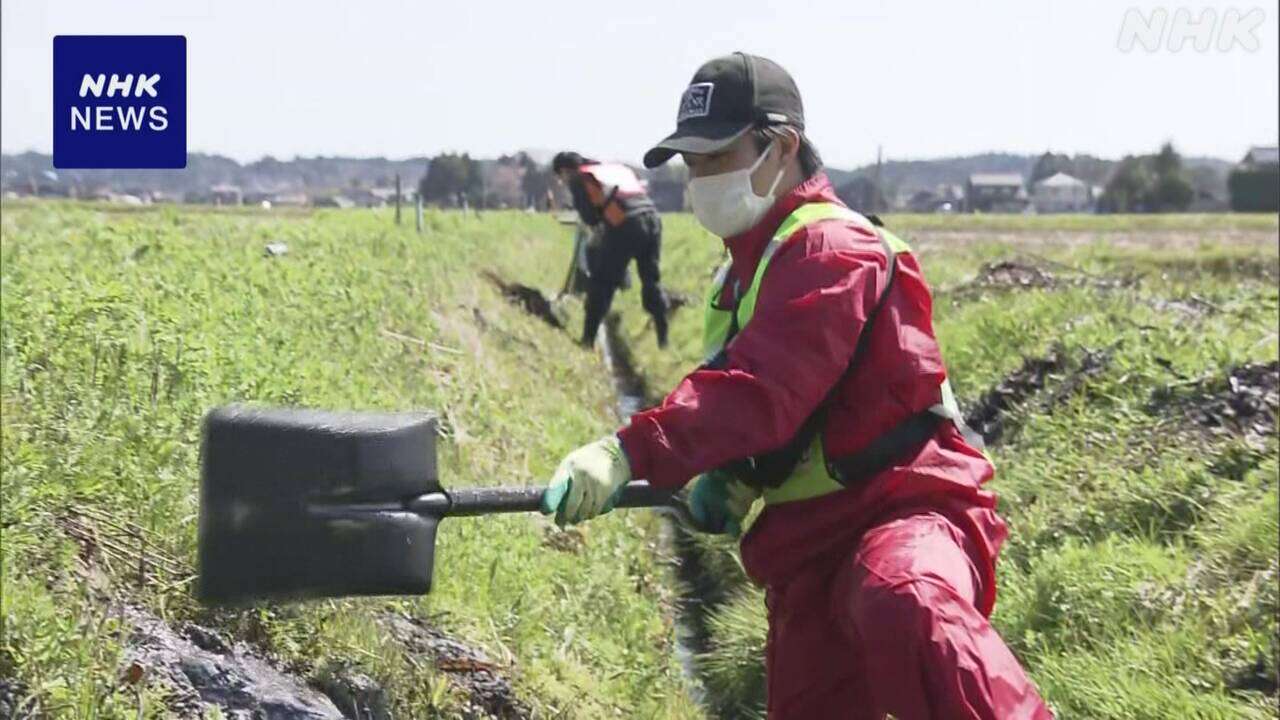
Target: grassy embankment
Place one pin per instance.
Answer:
(1140, 578)
(121, 329)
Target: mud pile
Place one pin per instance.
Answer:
(1245, 403)
(531, 299)
(1034, 274)
(198, 668)
(201, 671)
(1013, 274)
(11, 692)
(489, 693)
(1061, 372)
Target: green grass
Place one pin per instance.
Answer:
(121, 330)
(1138, 581)
(1215, 222)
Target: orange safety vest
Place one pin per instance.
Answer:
(606, 183)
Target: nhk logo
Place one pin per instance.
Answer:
(119, 101)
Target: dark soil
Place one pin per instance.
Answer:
(1191, 307)
(1060, 372)
(356, 695)
(531, 299)
(200, 671)
(199, 668)
(1256, 678)
(11, 692)
(1023, 274)
(489, 692)
(195, 666)
(1013, 274)
(677, 300)
(1245, 403)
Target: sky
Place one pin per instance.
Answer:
(917, 79)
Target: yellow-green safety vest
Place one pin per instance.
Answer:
(810, 478)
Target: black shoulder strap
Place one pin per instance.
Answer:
(770, 469)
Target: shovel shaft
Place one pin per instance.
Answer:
(463, 502)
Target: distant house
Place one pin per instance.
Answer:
(1060, 193)
(54, 190)
(922, 201)
(943, 198)
(225, 194)
(1262, 156)
(996, 193)
(1254, 183)
(384, 196)
(288, 199)
(363, 197)
(333, 201)
(101, 193)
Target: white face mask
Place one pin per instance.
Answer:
(726, 204)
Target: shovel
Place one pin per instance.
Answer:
(301, 504)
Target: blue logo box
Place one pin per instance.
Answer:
(119, 101)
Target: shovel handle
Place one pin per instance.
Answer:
(463, 502)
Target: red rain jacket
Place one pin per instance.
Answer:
(814, 300)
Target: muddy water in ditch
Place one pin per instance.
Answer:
(632, 397)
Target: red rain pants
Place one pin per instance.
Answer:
(891, 627)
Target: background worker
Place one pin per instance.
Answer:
(611, 201)
(823, 393)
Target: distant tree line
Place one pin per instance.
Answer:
(454, 179)
(1148, 183)
(450, 178)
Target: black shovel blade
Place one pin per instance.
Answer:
(306, 503)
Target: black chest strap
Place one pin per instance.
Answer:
(771, 469)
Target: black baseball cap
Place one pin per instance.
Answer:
(726, 97)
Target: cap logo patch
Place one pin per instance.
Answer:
(696, 101)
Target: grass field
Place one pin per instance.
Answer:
(1139, 580)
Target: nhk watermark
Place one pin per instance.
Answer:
(1180, 29)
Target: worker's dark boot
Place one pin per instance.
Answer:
(655, 303)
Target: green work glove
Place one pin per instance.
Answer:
(588, 482)
(719, 503)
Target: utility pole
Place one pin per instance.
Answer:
(397, 198)
(417, 211)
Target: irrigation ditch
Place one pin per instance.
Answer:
(697, 594)
(694, 602)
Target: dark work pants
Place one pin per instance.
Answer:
(639, 237)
